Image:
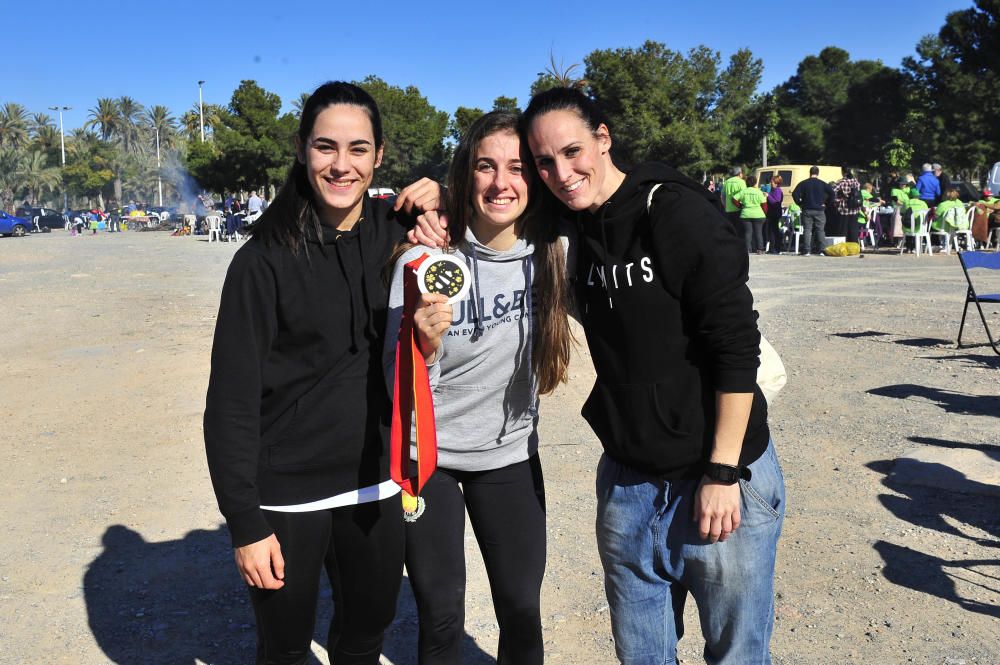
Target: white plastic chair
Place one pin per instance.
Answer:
(943, 234)
(214, 227)
(917, 230)
(964, 230)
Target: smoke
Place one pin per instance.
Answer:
(187, 188)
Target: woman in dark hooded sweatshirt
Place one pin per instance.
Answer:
(297, 412)
(690, 493)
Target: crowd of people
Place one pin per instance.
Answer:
(852, 210)
(690, 493)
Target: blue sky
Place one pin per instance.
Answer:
(457, 53)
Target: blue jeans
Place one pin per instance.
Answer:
(653, 556)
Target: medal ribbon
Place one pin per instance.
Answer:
(411, 397)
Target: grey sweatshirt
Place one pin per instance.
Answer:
(485, 394)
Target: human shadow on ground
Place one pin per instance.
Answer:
(991, 361)
(950, 401)
(923, 342)
(181, 601)
(938, 509)
(992, 451)
(858, 335)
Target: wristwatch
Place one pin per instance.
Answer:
(726, 473)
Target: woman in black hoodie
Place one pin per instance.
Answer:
(297, 412)
(690, 494)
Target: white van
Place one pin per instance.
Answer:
(993, 182)
(793, 174)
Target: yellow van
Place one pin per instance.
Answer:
(793, 174)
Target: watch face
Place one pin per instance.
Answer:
(445, 274)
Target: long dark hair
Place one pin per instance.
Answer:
(551, 352)
(285, 220)
(563, 99)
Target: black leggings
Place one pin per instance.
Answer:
(361, 548)
(507, 510)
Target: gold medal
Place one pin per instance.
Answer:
(446, 274)
(413, 507)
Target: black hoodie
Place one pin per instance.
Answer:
(297, 408)
(669, 320)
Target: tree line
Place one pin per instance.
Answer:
(690, 109)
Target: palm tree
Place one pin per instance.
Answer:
(39, 122)
(36, 175)
(300, 104)
(82, 142)
(158, 117)
(13, 125)
(129, 117)
(104, 116)
(47, 138)
(10, 182)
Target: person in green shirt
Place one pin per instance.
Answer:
(752, 216)
(730, 188)
(946, 221)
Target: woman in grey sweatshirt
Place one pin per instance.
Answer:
(489, 356)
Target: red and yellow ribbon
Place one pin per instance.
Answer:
(412, 403)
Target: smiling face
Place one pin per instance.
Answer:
(572, 160)
(499, 188)
(340, 157)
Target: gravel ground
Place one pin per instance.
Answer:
(113, 550)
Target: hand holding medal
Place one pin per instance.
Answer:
(412, 402)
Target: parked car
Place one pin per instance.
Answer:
(381, 192)
(13, 226)
(165, 213)
(46, 218)
(967, 192)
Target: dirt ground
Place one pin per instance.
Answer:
(113, 549)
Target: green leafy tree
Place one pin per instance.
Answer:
(508, 104)
(88, 173)
(953, 82)
(669, 106)
(463, 119)
(414, 134)
(810, 101)
(253, 143)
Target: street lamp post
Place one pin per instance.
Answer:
(159, 182)
(62, 147)
(201, 111)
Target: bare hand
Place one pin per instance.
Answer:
(431, 230)
(261, 564)
(717, 510)
(432, 319)
(424, 195)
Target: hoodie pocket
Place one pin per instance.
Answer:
(329, 428)
(651, 423)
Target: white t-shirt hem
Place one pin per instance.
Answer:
(383, 490)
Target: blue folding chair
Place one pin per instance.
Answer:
(970, 261)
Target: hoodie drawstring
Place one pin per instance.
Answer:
(355, 314)
(478, 330)
(529, 341)
(370, 331)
